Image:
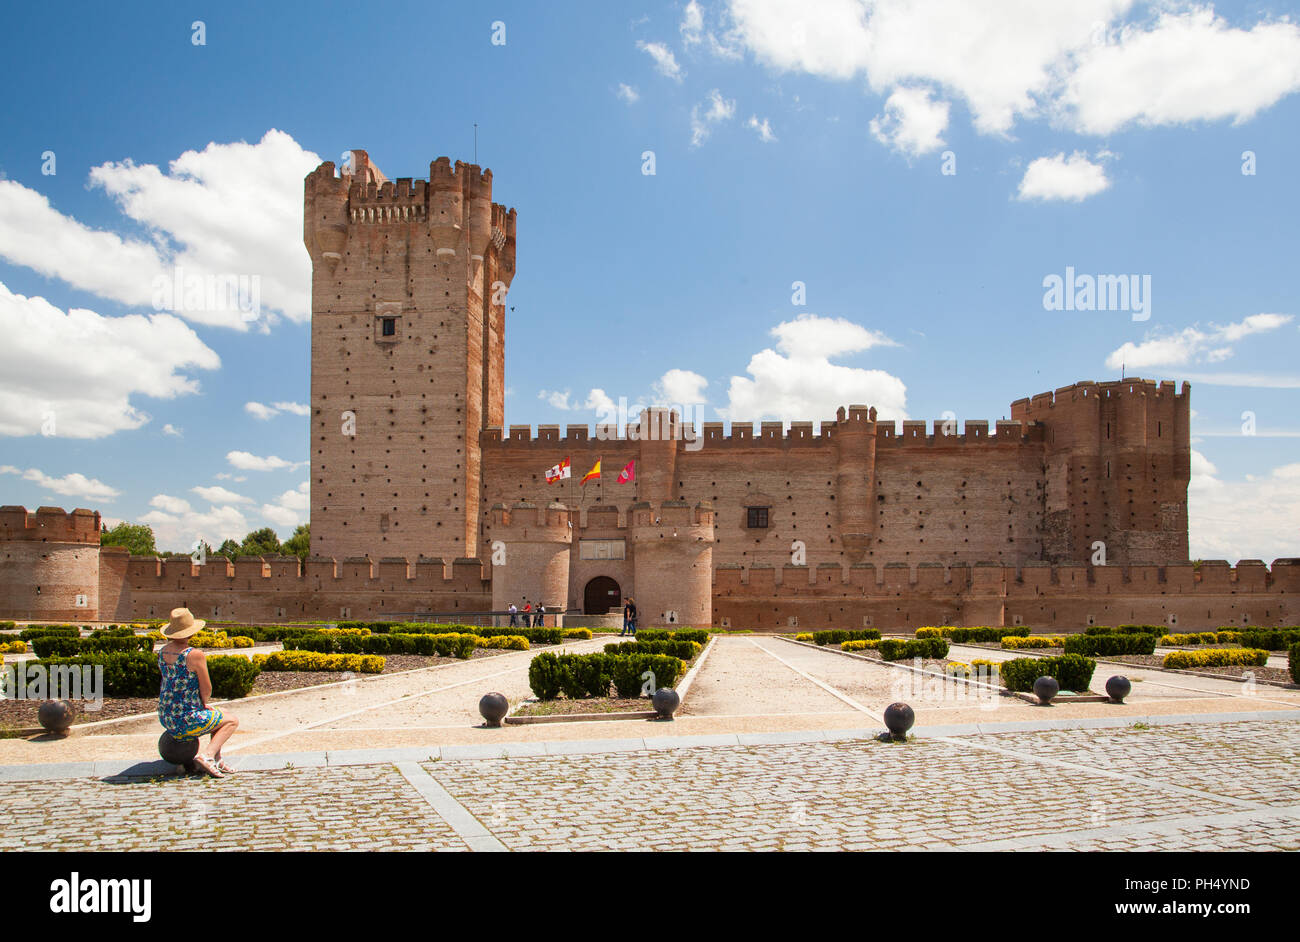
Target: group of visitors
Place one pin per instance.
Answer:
(532, 617)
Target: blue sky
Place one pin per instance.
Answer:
(791, 143)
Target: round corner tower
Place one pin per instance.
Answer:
(529, 549)
(673, 562)
(49, 564)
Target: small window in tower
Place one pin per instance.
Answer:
(390, 326)
(756, 518)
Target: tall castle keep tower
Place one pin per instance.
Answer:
(1118, 461)
(407, 355)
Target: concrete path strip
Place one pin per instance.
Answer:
(468, 827)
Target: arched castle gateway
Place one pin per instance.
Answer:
(422, 501)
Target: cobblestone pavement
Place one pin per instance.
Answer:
(1188, 786)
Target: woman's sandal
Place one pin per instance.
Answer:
(224, 768)
(206, 764)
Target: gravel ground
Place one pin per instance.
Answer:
(600, 705)
(1277, 674)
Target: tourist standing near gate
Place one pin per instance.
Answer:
(514, 615)
(629, 617)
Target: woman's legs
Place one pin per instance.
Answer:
(221, 734)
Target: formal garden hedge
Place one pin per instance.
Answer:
(70, 646)
(1156, 630)
(686, 650)
(1219, 657)
(1072, 672)
(1271, 639)
(866, 644)
(839, 636)
(13, 647)
(1094, 645)
(582, 676)
(982, 633)
(1293, 662)
(42, 631)
(136, 674)
(1015, 643)
(893, 649)
(315, 661)
(698, 635)
(1201, 637)
(453, 644)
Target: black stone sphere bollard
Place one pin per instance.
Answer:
(899, 718)
(1118, 687)
(666, 700)
(493, 708)
(178, 751)
(1045, 689)
(56, 716)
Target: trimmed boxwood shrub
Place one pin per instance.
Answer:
(984, 634)
(70, 646)
(1013, 643)
(1156, 630)
(698, 635)
(1093, 645)
(839, 636)
(1293, 662)
(1271, 639)
(893, 649)
(580, 634)
(1072, 672)
(41, 631)
(686, 650)
(545, 677)
(863, 645)
(589, 675)
(929, 632)
(232, 676)
(133, 674)
(1219, 657)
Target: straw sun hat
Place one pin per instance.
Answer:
(182, 625)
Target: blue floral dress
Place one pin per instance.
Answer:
(180, 709)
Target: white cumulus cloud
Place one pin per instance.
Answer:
(913, 122)
(1071, 179)
(245, 461)
(70, 485)
(1190, 345)
(228, 211)
(118, 360)
(798, 382)
(1254, 518)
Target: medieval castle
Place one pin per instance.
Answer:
(1072, 513)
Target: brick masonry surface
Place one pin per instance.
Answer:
(1220, 786)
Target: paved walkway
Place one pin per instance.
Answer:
(773, 750)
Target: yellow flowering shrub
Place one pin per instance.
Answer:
(957, 668)
(503, 642)
(1012, 643)
(1219, 657)
(315, 661)
(13, 647)
(343, 631)
(929, 632)
(804, 636)
(982, 665)
(1200, 637)
(219, 639)
(579, 634)
(859, 645)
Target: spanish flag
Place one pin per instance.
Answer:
(592, 474)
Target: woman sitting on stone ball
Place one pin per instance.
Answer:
(183, 698)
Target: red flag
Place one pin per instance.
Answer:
(628, 474)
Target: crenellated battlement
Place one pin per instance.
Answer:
(942, 432)
(49, 525)
(1101, 391)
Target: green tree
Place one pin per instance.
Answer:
(229, 549)
(136, 537)
(263, 542)
(300, 543)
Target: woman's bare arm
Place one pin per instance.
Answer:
(199, 664)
